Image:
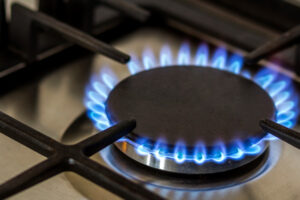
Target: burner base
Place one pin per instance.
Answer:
(187, 167)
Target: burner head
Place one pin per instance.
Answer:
(190, 105)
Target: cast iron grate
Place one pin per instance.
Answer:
(73, 158)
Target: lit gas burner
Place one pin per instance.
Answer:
(192, 118)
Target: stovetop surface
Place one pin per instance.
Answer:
(50, 103)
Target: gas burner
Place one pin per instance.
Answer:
(179, 117)
(184, 126)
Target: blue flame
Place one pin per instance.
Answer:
(180, 152)
(184, 54)
(201, 58)
(148, 59)
(199, 153)
(134, 65)
(219, 58)
(278, 87)
(166, 56)
(235, 64)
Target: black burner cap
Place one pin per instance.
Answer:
(191, 104)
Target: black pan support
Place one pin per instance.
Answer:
(34, 22)
(287, 39)
(127, 8)
(195, 14)
(73, 158)
(288, 135)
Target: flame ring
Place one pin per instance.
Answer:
(278, 87)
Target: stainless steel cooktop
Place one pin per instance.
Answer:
(53, 102)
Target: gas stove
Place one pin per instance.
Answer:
(149, 100)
